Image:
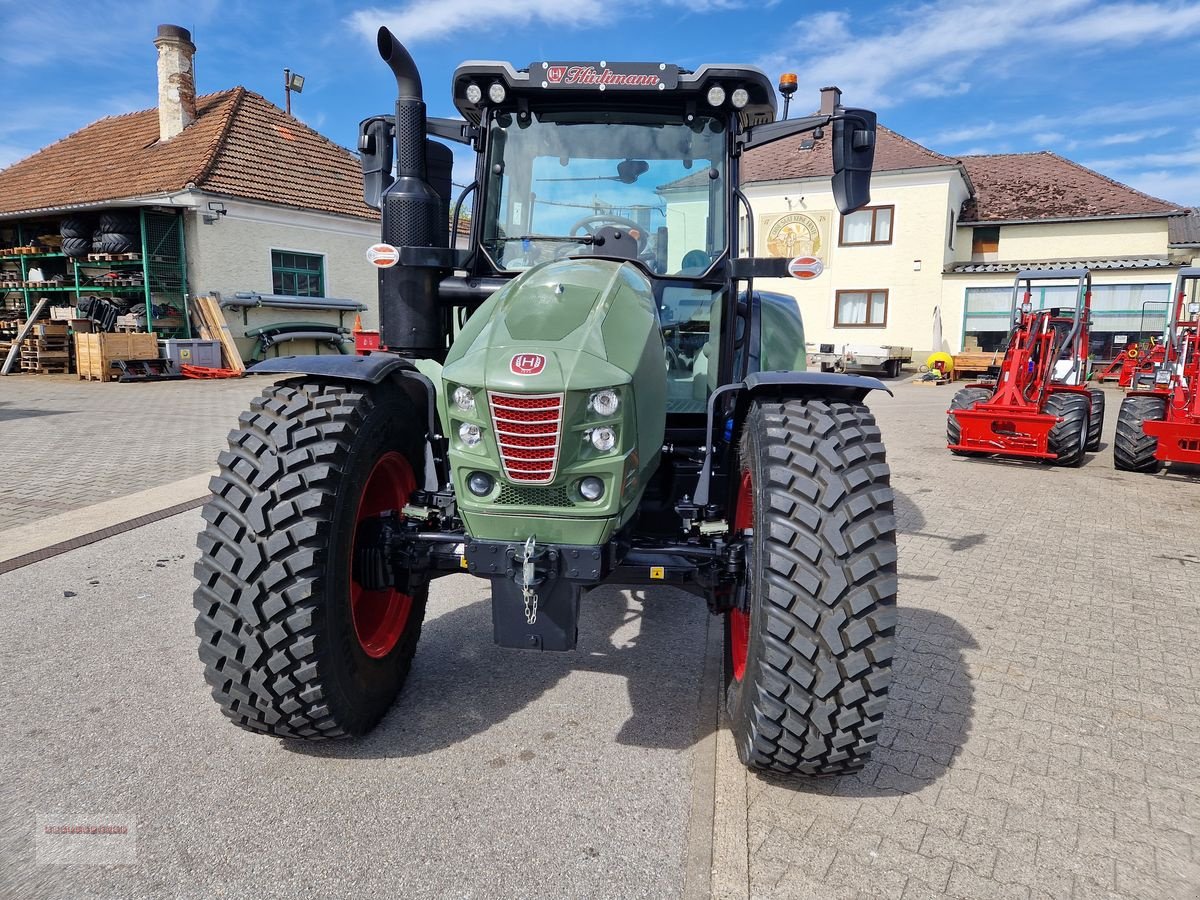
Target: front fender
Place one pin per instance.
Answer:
(377, 369)
(782, 385)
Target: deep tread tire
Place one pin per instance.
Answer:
(118, 222)
(76, 247)
(1068, 439)
(276, 635)
(1133, 449)
(117, 242)
(966, 398)
(80, 227)
(1095, 419)
(822, 590)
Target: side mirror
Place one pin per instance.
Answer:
(376, 149)
(853, 156)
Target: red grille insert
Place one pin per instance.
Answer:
(528, 429)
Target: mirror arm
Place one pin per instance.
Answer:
(774, 131)
(457, 130)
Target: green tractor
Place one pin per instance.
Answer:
(590, 392)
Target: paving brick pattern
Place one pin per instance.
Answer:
(1044, 734)
(66, 444)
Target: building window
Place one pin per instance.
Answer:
(950, 233)
(985, 240)
(297, 274)
(860, 309)
(871, 225)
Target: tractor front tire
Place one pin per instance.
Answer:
(966, 398)
(1068, 439)
(1095, 419)
(1133, 449)
(808, 655)
(292, 644)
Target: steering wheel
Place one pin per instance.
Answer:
(591, 224)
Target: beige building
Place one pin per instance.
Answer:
(944, 237)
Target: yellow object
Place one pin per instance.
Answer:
(945, 359)
(658, 572)
(462, 562)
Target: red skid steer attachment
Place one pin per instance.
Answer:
(1044, 363)
(1170, 413)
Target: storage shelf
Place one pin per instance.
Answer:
(19, 256)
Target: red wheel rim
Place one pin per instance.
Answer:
(739, 621)
(380, 616)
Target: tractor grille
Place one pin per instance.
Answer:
(555, 495)
(528, 429)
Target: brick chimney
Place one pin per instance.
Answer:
(176, 81)
(831, 98)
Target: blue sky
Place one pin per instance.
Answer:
(1109, 84)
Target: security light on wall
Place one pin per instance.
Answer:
(216, 209)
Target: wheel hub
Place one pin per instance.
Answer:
(379, 613)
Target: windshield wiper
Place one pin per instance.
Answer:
(581, 239)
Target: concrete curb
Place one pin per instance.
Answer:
(25, 544)
(698, 865)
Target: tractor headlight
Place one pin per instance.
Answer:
(591, 488)
(474, 93)
(716, 95)
(469, 434)
(604, 403)
(739, 98)
(480, 483)
(603, 439)
(496, 93)
(464, 399)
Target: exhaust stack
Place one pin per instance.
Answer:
(414, 215)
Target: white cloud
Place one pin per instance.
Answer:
(1132, 137)
(427, 20)
(926, 50)
(1174, 187)
(1160, 161)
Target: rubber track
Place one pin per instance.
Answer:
(261, 557)
(1133, 449)
(1095, 419)
(1063, 440)
(965, 399)
(829, 566)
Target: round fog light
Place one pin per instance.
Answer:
(604, 438)
(604, 403)
(497, 93)
(469, 434)
(480, 483)
(716, 95)
(591, 488)
(464, 399)
(474, 93)
(739, 98)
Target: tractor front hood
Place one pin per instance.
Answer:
(556, 311)
(531, 357)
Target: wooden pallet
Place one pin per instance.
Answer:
(20, 251)
(212, 321)
(117, 257)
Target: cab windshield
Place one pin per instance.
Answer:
(555, 182)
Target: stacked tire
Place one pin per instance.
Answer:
(77, 234)
(117, 232)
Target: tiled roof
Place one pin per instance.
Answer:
(1184, 231)
(240, 145)
(1032, 186)
(1120, 262)
(786, 159)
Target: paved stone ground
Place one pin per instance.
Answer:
(67, 443)
(1044, 734)
(1044, 739)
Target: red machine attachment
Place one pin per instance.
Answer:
(1134, 360)
(1039, 407)
(1163, 424)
